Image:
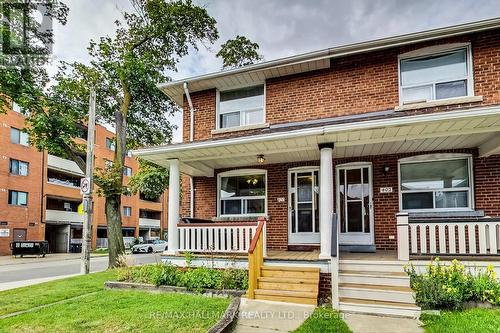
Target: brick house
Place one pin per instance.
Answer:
(389, 149)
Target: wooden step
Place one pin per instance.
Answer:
(290, 272)
(283, 284)
(397, 294)
(289, 296)
(379, 307)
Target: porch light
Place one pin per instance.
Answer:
(386, 169)
(260, 159)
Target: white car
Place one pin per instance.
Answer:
(150, 246)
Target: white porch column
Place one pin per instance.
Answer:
(173, 206)
(325, 198)
(403, 239)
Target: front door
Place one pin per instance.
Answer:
(355, 204)
(303, 199)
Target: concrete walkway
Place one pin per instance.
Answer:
(266, 316)
(360, 323)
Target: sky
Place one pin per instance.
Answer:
(280, 27)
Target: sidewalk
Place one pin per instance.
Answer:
(10, 260)
(360, 323)
(270, 317)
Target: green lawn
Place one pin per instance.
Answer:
(324, 320)
(467, 321)
(99, 310)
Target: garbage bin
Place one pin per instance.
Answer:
(21, 248)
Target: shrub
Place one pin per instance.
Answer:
(195, 279)
(448, 287)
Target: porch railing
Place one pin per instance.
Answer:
(469, 237)
(256, 258)
(234, 237)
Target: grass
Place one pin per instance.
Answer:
(322, 320)
(25, 298)
(123, 311)
(467, 321)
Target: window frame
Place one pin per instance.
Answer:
(129, 209)
(110, 144)
(434, 51)
(125, 174)
(21, 133)
(18, 167)
(435, 158)
(17, 198)
(217, 107)
(241, 172)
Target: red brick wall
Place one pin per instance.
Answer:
(386, 205)
(354, 84)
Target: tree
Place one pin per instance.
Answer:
(124, 70)
(26, 45)
(238, 52)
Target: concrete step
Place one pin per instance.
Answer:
(377, 278)
(396, 294)
(354, 305)
(301, 297)
(393, 266)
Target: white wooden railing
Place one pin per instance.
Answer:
(232, 237)
(470, 237)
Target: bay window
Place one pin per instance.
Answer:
(240, 107)
(437, 76)
(437, 184)
(242, 193)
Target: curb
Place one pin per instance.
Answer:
(228, 320)
(184, 290)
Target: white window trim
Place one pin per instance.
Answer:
(241, 172)
(217, 109)
(432, 158)
(435, 50)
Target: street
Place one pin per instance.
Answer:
(18, 272)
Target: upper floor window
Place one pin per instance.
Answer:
(18, 167)
(127, 211)
(127, 171)
(241, 107)
(242, 192)
(18, 137)
(438, 76)
(108, 164)
(16, 107)
(436, 183)
(18, 198)
(110, 144)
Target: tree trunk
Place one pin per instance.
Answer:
(115, 236)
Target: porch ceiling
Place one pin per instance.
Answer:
(431, 132)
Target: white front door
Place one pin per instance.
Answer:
(303, 201)
(355, 204)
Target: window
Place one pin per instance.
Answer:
(241, 107)
(16, 107)
(127, 171)
(440, 184)
(438, 76)
(18, 167)
(127, 211)
(110, 144)
(108, 164)
(18, 137)
(18, 198)
(243, 193)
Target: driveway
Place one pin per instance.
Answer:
(18, 272)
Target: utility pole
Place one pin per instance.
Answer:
(86, 187)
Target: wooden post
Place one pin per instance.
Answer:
(403, 240)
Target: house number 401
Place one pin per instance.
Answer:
(386, 190)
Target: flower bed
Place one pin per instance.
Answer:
(194, 279)
(452, 286)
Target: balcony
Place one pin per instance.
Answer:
(64, 165)
(145, 222)
(62, 216)
(64, 182)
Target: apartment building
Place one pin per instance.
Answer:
(40, 196)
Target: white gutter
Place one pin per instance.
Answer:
(378, 123)
(191, 138)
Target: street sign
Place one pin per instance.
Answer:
(85, 186)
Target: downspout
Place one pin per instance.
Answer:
(191, 138)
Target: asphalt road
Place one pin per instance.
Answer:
(25, 271)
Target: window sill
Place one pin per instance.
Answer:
(240, 128)
(451, 101)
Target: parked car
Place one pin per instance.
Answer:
(150, 246)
